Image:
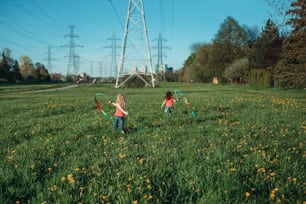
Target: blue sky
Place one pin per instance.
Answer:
(30, 27)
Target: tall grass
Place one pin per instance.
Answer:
(244, 145)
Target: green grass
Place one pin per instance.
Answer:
(245, 145)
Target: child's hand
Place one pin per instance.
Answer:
(126, 113)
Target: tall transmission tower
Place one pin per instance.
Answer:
(49, 60)
(73, 58)
(113, 67)
(160, 54)
(135, 51)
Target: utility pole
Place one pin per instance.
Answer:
(135, 45)
(113, 68)
(160, 55)
(73, 58)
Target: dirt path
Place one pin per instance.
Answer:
(53, 89)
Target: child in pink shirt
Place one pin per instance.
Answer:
(120, 112)
(168, 102)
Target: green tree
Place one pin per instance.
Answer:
(267, 49)
(27, 70)
(237, 71)
(230, 43)
(4, 68)
(42, 72)
(252, 33)
(291, 69)
(186, 73)
(16, 72)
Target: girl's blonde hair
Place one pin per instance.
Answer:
(121, 100)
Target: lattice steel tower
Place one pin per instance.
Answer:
(73, 58)
(135, 51)
(113, 66)
(49, 60)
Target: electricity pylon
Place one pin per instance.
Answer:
(73, 58)
(135, 51)
(160, 55)
(49, 60)
(113, 66)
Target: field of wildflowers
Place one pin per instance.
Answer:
(244, 145)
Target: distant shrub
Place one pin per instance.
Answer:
(260, 77)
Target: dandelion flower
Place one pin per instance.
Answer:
(63, 179)
(247, 194)
(121, 155)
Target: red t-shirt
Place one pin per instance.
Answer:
(169, 102)
(118, 111)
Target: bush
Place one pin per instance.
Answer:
(260, 77)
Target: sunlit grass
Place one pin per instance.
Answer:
(245, 145)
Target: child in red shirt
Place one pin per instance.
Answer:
(168, 101)
(120, 112)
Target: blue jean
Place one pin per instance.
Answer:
(169, 110)
(119, 120)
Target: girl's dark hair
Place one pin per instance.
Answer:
(168, 94)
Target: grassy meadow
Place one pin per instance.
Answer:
(244, 145)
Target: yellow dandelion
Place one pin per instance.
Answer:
(141, 161)
(219, 170)
(261, 170)
(232, 169)
(104, 197)
(49, 169)
(121, 155)
(247, 194)
(70, 178)
(63, 179)
(9, 157)
(135, 202)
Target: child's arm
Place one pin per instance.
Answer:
(117, 105)
(163, 103)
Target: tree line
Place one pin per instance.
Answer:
(25, 70)
(241, 54)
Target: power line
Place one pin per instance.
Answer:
(116, 13)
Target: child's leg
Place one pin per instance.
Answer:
(170, 111)
(121, 121)
(116, 120)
